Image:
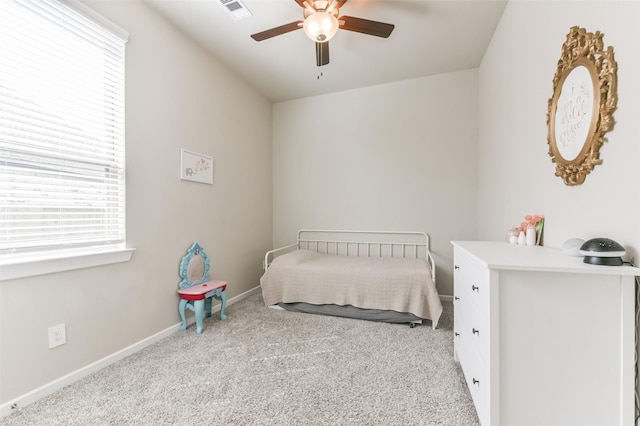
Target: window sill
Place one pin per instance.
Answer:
(30, 266)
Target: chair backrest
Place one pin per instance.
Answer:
(194, 267)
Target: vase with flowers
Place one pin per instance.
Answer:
(529, 232)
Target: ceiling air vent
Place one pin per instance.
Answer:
(236, 9)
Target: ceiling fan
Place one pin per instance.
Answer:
(322, 21)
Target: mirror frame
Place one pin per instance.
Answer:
(194, 250)
(581, 49)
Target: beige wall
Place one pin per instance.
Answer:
(400, 156)
(177, 96)
(516, 173)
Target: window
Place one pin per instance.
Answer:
(62, 174)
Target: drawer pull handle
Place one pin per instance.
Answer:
(475, 288)
(456, 298)
(456, 334)
(456, 267)
(475, 331)
(476, 381)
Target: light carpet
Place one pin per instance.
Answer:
(268, 367)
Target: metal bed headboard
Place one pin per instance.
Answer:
(384, 247)
(402, 244)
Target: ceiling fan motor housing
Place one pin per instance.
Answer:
(318, 5)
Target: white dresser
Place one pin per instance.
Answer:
(544, 339)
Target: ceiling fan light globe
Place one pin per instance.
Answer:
(321, 26)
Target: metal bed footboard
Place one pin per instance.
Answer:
(271, 254)
(402, 244)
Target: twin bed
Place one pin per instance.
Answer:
(372, 275)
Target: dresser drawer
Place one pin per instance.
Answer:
(472, 324)
(471, 278)
(476, 374)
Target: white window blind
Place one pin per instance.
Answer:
(62, 175)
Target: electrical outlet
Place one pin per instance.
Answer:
(57, 335)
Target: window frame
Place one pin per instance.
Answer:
(20, 265)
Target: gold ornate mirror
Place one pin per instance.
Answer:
(581, 109)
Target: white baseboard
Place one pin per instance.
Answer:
(30, 397)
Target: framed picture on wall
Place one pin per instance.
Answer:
(196, 167)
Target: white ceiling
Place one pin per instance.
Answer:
(430, 37)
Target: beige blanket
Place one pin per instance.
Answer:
(401, 285)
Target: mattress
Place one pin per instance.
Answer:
(366, 283)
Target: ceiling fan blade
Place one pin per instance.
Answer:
(283, 29)
(322, 53)
(365, 26)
